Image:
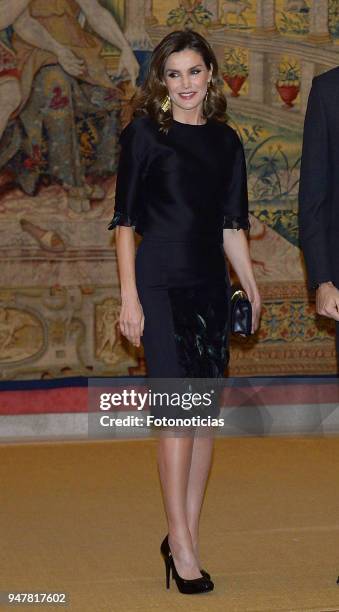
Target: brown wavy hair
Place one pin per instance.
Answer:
(148, 98)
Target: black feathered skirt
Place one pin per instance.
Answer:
(184, 290)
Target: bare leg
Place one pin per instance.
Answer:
(200, 467)
(10, 98)
(174, 461)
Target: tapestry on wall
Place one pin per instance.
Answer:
(59, 294)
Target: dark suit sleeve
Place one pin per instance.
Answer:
(313, 190)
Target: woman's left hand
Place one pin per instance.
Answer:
(129, 62)
(70, 62)
(255, 299)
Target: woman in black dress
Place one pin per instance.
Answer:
(181, 184)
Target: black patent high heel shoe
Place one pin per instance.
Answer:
(165, 549)
(195, 585)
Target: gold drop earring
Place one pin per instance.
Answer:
(166, 103)
(206, 96)
(207, 90)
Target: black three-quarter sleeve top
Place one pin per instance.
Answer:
(190, 183)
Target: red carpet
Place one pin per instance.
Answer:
(238, 392)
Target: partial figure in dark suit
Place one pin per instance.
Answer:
(319, 194)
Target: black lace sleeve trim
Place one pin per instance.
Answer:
(236, 223)
(120, 218)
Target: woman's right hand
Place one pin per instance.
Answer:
(132, 320)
